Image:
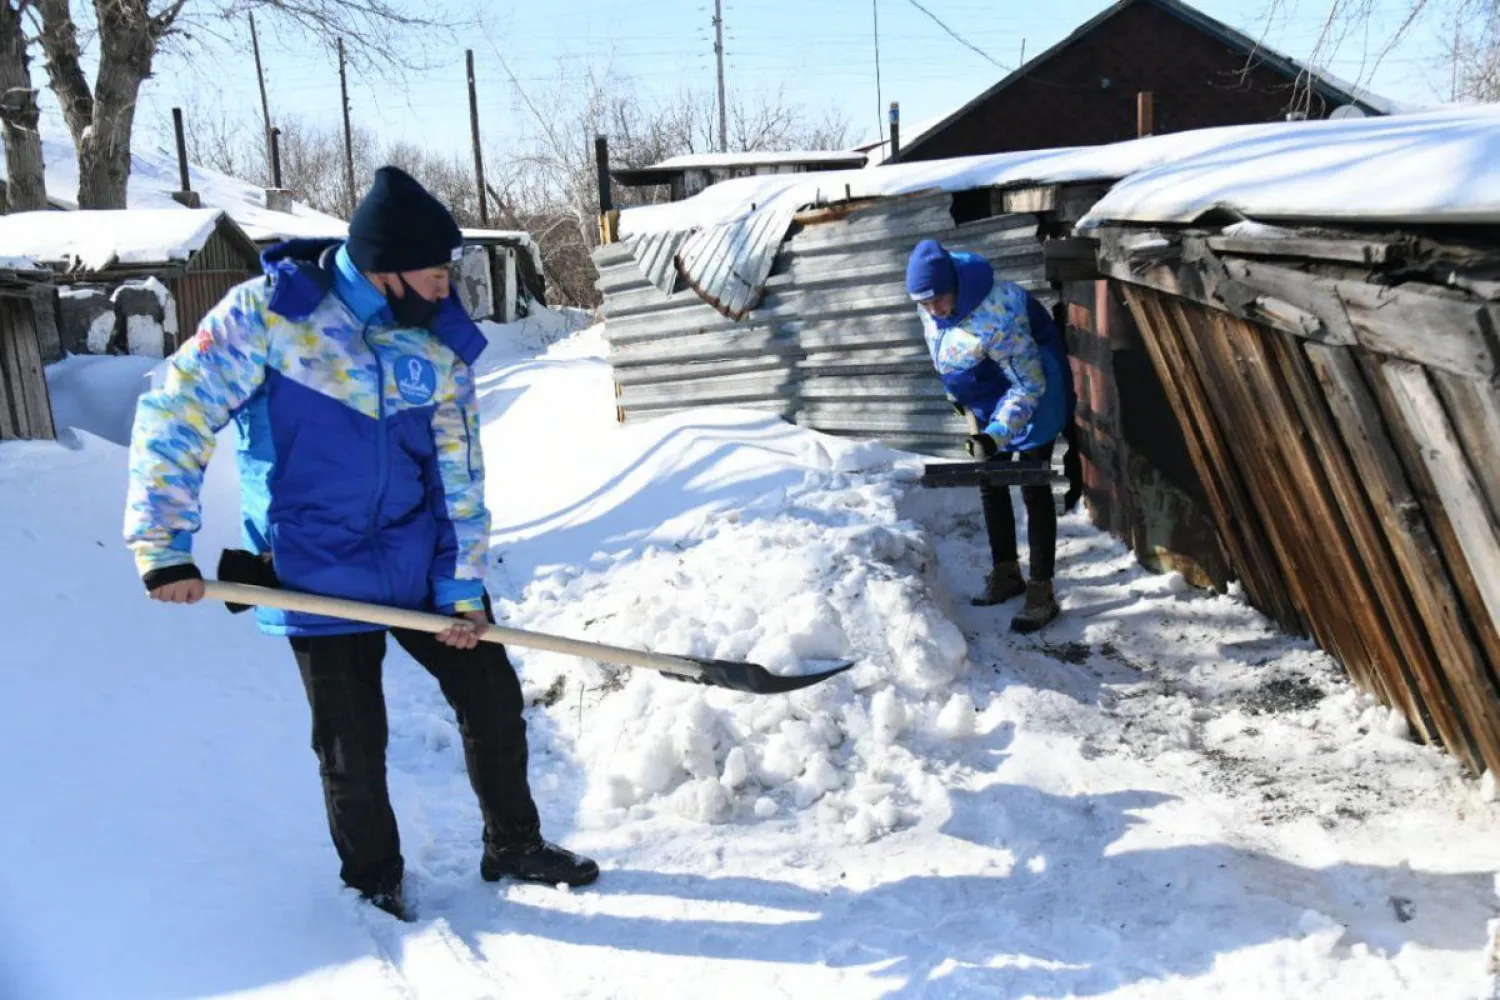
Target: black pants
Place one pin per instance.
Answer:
(342, 676)
(1041, 519)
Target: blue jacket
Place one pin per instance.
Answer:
(360, 466)
(1000, 356)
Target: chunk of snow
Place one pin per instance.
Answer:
(887, 716)
(958, 718)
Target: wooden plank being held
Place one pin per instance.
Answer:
(1458, 693)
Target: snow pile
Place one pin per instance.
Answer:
(821, 572)
(97, 395)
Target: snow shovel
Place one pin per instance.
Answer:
(748, 677)
(950, 474)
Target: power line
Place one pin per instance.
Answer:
(959, 38)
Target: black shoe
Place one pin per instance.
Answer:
(1004, 582)
(539, 862)
(390, 902)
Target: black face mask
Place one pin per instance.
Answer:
(411, 309)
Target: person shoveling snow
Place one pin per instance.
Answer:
(1005, 370)
(347, 373)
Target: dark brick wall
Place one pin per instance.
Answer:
(1197, 82)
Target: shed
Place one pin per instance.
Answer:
(196, 256)
(1320, 319)
(25, 306)
(1200, 73)
(687, 175)
(499, 274)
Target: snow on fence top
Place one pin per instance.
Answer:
(1437, 167)
(704, 161)
(93, 241)
(1440, 162)
(153, 178)
(10, 262)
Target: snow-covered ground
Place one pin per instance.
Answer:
(1156, 797)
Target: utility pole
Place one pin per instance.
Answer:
(265, 105)
(484, 210)
(348, 136)
(879, 97)
(719, 52)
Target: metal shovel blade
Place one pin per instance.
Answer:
(753, 678)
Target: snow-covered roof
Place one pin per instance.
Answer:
(1436, 167)
(93, 241)
(10, 262)
(153, 178)
(704, 161)
(1443, 150)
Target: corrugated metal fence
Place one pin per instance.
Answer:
(833, 344)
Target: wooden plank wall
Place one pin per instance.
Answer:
(25, 406)
(1356, 490)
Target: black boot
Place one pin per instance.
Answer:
(1041, 607)
(391, 902)
(1004, 582)
(539, 862)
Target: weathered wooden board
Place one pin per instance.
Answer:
(1234, 513)
(1459, 694)
(1405, 656)
(1307, 535)
(1454, 479)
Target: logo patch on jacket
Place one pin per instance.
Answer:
(416, 380)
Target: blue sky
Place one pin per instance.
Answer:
(820, 52)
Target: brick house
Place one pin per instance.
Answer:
(1084, 90)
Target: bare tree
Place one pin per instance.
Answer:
(1375, 28)
(19, 115)
(1474, 51)
(548, 184)
(130, 34)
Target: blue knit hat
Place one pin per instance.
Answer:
(399, 226)
(930, 272)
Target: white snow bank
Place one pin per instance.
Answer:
(1442, 167)
(98, 394)
(92, 241)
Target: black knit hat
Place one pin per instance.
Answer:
(399, 226)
